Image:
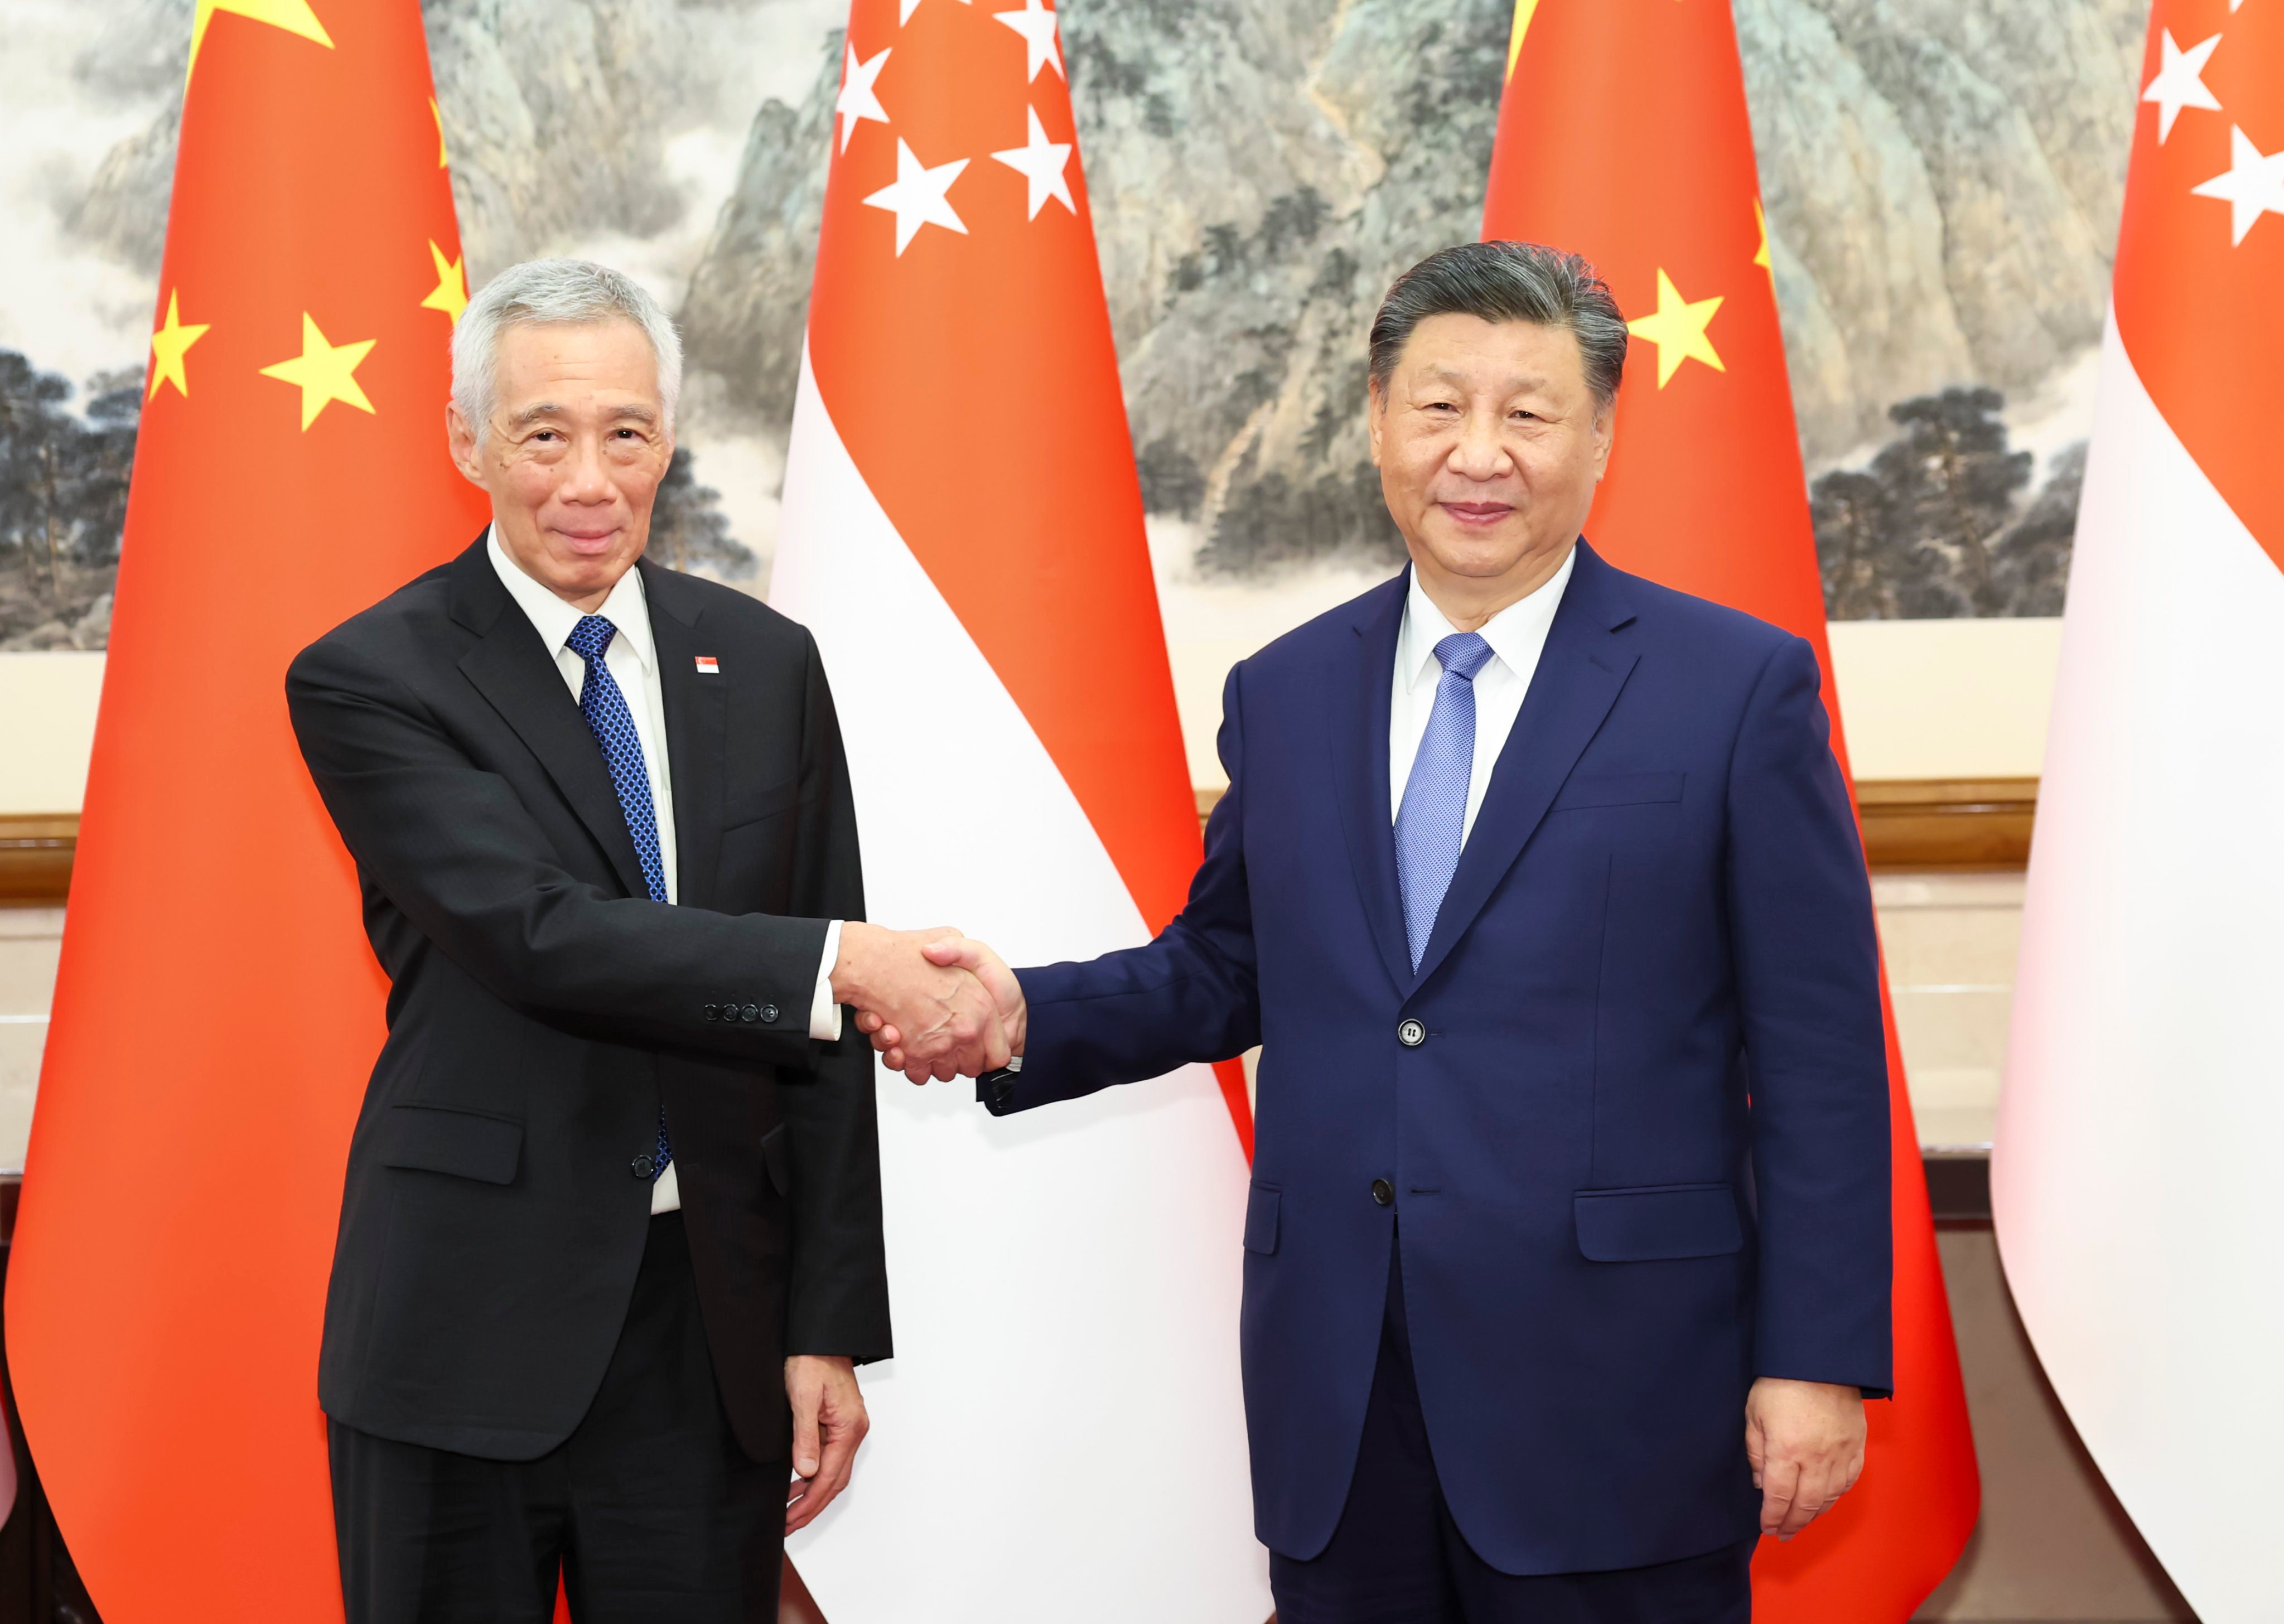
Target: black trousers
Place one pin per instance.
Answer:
(650, 1509)
(1398, 1557)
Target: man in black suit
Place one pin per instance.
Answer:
(610, 1245)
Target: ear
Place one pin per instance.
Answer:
(1606, 430)
(461, 439)
(1375, 415)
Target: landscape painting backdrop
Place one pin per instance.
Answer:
(1942, 181)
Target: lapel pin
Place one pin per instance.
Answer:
(708, 666)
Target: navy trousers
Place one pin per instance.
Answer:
(1396, 1557)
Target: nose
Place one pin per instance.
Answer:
(1479, 453)
(584, 479)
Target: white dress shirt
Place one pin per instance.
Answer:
(1517, 634)
(632, 660)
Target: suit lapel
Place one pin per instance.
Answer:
(697, 730)
(1580, 674)
(512, 667)
(1358, 754)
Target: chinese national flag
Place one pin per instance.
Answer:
(217, 1010)
(1623, 137)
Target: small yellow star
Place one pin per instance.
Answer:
(451, 294)
(324, 373)
(1761, 259)
(168, 346)
(293, 16)
(1677, 329)
(1515, 31)
(443, 160)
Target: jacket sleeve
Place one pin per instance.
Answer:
(838, 1301)
(1191, 994)
(454, 849)
(1807, 963)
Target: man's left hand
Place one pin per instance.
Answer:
(828, 1423)
(1805, 1441)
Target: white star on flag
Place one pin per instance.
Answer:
(1041, 162)
(1037, 24)
(2253, 185)
(916, 197)
(857, 100)
(905, 8)
(2180, 82)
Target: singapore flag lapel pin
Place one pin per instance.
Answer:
(708, 666)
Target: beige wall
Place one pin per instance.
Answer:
(47, 722)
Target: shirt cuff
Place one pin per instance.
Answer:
(824, 1014)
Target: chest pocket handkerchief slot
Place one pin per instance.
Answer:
(1624, 789)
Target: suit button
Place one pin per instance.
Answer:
(769, 1014)
(1383, 1192)
(752, 1011)
(644, 1167)
(713, 1012)
(1412, 1035)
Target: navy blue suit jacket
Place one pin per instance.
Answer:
(1641, 1156)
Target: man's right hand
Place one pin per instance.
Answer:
(954, 951)
(947, 1024)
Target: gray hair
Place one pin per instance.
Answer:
(550, 292)
(1507, 281)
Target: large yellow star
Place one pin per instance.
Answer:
(1677, 329)
(451, 294)
(1516, 30)
(324, 373)
(169, 345)
(293, 16)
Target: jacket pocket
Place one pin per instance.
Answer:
(774, 1153)
(460, 1143)
(766, 802)
(1261, 1219)
(1657, 1221)
(1621, 789)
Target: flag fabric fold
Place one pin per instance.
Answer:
(1062, 1428)
(217, 1010)
(1623, 137)
(2133, 1174)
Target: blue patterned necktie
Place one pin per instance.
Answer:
(1434, 813)
(613, 724)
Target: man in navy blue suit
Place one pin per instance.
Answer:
(1567, 1255)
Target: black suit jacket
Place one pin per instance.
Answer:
(542, 1008)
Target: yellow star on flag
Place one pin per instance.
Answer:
(169, 345)
(1677, 329)
(451, 294)
(324, 373)
(443, 158)
(293, 16)
(1761, 259)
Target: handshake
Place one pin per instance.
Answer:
(935, 1004)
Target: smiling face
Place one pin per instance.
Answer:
(575, 451)
(1489, 444)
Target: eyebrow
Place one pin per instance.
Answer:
(530, 415)
(1514, 384)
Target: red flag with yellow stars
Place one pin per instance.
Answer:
(217, 1010)
(1623, 137)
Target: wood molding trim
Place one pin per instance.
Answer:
(1920, 823)
(36, 858)
(1908, 824)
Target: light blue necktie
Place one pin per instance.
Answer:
(605, 708)
(1435, 809)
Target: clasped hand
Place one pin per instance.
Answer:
(934, 1004)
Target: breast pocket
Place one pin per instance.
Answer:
(752, 807)
(1623, 788)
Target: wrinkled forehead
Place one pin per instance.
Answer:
(598, 369)
(1506, 357)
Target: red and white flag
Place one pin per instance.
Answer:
(2134, 1179)
(1060, 1434)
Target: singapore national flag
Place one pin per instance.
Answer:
(1060, 1434)
(2135, 1175)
